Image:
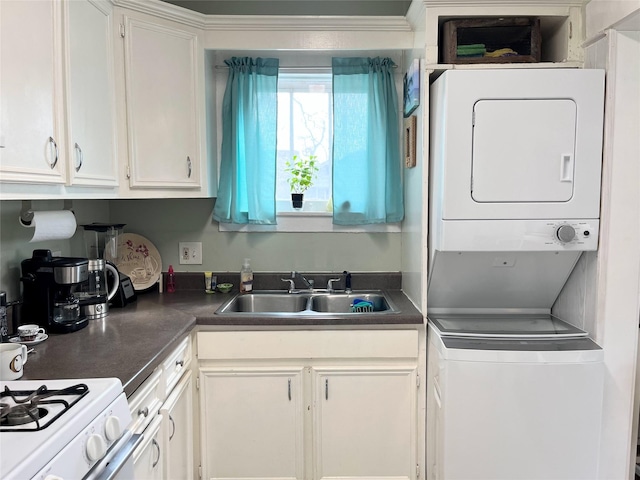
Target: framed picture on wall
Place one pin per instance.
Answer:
(412, 88)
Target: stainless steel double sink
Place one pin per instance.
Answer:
(313, 303)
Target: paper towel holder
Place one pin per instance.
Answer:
(26, 213)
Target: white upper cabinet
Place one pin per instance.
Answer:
(164, 90)
(31, 128)
(92, 140)
(58, 99)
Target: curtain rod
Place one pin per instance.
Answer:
(307, 67)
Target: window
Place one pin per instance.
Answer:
(304, 128)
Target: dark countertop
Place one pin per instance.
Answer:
(132, 341)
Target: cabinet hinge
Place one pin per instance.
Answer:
(418, 381)
(199, 471)
(197, 383)
(122, 30)
(128, 172)
(417, 470)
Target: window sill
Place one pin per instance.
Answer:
(310, 222)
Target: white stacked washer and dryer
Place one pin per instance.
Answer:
(513, 392)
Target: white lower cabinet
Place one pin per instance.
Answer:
(177, 425)
(365, 423)
(162, 411)
(252, 422)
(309, 405)
(147, 459)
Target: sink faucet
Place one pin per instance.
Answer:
(330, 283)
(294, 274)
(347, 282)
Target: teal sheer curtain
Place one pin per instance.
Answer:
(247, 186)
(367, 168)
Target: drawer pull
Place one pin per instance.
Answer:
(157, 445)
(173, 427)
(143, 412)
(180, 363)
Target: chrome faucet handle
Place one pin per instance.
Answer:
(330, 288)
(292, 284)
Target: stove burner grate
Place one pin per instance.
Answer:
(27, 409)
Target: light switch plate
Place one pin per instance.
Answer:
(190, 253)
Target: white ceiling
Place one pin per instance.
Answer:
(297, 7)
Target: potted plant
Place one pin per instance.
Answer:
(302, 172)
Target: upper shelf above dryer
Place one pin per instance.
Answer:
(559, 31)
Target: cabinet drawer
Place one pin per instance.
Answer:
(176, 364)
(308, 344)
(146, 401)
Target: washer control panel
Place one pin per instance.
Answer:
(571, 233)
(518, 235)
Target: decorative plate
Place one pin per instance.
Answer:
(29, 343)
(139, 259)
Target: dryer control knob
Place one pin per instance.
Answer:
(565, 233)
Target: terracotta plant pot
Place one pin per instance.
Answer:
(296, 199)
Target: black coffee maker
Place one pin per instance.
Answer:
(49, 286)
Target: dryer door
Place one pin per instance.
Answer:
(523, 150)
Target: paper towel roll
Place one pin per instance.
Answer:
(52, 225)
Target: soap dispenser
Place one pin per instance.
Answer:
(246, 277)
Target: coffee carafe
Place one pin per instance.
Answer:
(101, 243)
(49, 292)
(94, 294)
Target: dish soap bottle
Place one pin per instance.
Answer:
(246, 277)
(171, 280)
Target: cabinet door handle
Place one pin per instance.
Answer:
(180, 363)
(173, 427)
(289, 388)
(188, 167)
(143, 411)
(326, 389)
(157, 445)
(80, 157)
(55, 146)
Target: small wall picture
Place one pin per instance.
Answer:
(410, 141)
(412, 88)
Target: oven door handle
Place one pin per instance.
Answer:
(116, 457)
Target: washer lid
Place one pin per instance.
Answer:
(503, 326)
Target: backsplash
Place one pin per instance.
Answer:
(273, 281)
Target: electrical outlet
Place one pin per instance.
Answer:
(190, 253)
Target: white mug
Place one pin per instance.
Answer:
(28, 333)
(12, 358)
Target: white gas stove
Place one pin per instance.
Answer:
(65, 429)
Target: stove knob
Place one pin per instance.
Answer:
(96, 448)
(112, 428)
(566, 233)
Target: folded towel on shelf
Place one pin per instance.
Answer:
(502, 52)
(472, 50)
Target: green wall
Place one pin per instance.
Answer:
(165, 222)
